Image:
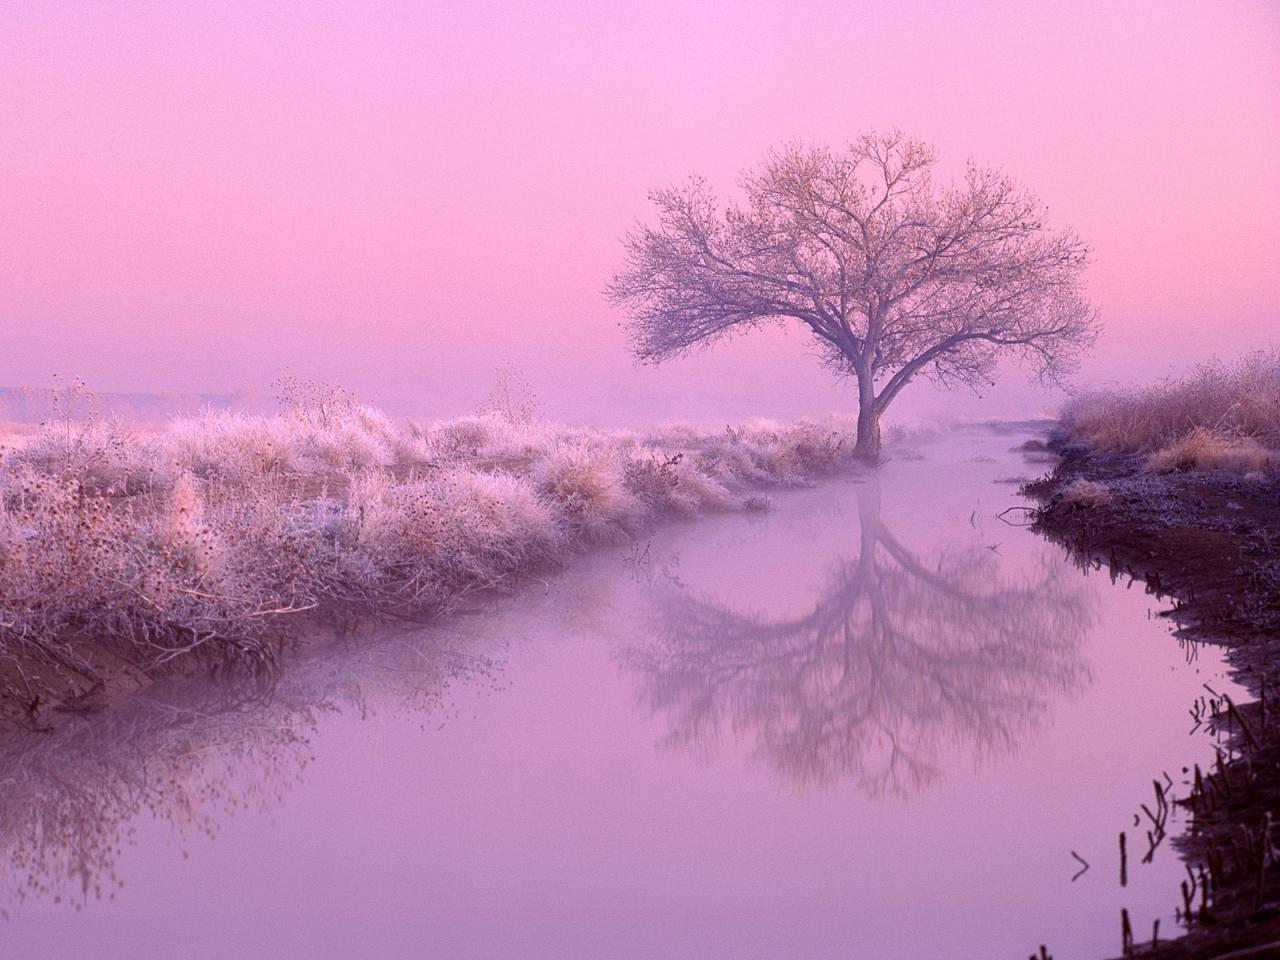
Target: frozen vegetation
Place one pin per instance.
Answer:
(124, 553)
(1221, 416)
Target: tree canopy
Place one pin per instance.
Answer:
(895, 276)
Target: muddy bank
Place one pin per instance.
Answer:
(1210, 542)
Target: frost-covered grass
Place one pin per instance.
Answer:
(1218, 417)
(13, 436)
(1085, 493)
(1206, 449)
(123, 551)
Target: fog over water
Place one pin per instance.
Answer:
(874, 721)
(398, 197)
(863, 718)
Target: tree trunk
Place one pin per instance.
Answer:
(868, 447)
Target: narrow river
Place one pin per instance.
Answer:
(874, 721)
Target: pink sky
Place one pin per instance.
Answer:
(399, 196)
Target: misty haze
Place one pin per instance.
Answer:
(648, 481)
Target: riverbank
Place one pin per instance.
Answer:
(126, 556)
(1210, 542)
(802, 697)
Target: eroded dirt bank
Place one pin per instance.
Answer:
(1211, 543)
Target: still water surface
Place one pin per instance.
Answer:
(872, 722)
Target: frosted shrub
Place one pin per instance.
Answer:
(458, 439)
(512, 399)
(815, 448)
(1085, 493)
(457, 531)
(8, 528)
(587, 488)
(516, 444)
(1204, 449)
(730, 461)
(696, 489)
(675, 435)
(83, 586)
(652, 477)
(199, 543)
(489, 437)
(353, 438)
(779, 461)
(491, 527)
(183, 531)
(1234, 401)
(312, 402)
(99, 454)
(274, 559)
(676, 483)
(229, 445)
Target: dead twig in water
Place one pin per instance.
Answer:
(1025, 511)
(1084, 866)
(1124, 862)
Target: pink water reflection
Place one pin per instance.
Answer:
(555, 808)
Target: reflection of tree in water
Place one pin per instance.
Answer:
(191, 755)
(898, 660)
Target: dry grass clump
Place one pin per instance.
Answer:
(587, 485)
(1085, 493)
(240, 446)
(424, 542)
(228, 446)
(1205, 449)
(100, 453)
(1220, 403)
(679, 483)
(12, 436)
(122, 550)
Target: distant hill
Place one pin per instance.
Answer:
(34, 404)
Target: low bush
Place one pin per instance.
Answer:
(1217, 405)
(1084, 493)
(1204, 449)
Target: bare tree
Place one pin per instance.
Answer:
(894, 276)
